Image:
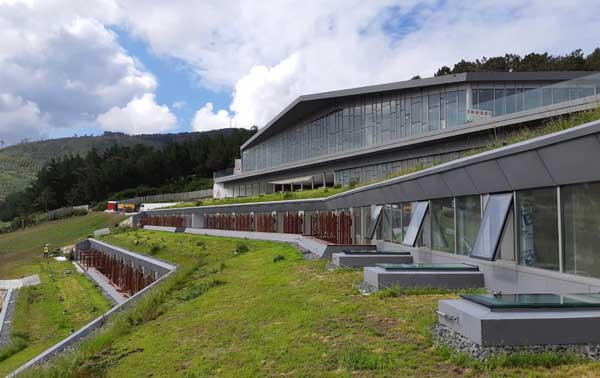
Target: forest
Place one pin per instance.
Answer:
(75, 179)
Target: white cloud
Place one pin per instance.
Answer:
(19, 120)
(61, 56)
(205, 119)
(179, 105)
(140, 116)
(278, 50)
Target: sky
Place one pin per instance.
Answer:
(84, 67)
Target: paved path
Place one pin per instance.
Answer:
(21, 282)
(106, 286)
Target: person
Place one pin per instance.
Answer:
(47, 251)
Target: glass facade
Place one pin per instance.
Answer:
(442, 224)
(468, 219)
(362, 123)
(537, 228)
(492, 226)
(581, 229)
(396, 219)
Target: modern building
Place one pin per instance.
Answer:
(365, 134)
(527, 214)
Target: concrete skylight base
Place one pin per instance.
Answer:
(361, 260)
(382, 278)
(520, 326)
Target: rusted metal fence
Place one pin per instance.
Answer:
(293, 223)
(243, 222)
(331, 226)
(125, 276)
(265, 222)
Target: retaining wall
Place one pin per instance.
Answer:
(163, 268)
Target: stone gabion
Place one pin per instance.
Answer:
(443, 335)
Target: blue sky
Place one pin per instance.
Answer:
(176, 81)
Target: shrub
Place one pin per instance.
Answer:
(278, 258)
(155, 248)
(241, 248)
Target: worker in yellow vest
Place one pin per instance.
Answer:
(47, 251)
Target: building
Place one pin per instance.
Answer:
(527, 214)
(364, 134)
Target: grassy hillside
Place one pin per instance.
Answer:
(20, 163)
(21, 251)
(65, 300)
(269, 313)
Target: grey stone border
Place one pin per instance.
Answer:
(88, 330)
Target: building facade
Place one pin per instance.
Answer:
(370, 133)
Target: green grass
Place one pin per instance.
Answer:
(45, 314)
(244, 315)
(279, 196)
(21, 251)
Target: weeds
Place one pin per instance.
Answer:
(278, 258)
(358, 357)
(241, 249)
(397, 291)
(199, 289)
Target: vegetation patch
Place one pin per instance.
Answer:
(286, 319)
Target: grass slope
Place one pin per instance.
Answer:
(21, 251)
(65, 300)
(255, 315)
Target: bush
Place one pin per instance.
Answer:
(155, 248)
(278, 258)
(241, 248)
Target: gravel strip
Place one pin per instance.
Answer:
(443, 335)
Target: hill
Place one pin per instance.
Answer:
(20, 163)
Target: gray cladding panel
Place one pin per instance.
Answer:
(569, 161)
(434, 186)
(412, 190)
(459, 182)
(488, 177)
(525, 170)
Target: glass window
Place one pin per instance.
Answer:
(462, 107)
(418, 211)
(560, 95)
(396, 215)
(492, 224)
(475, 99)
(584, 92)
(375, 213)
(406, 215)
(581, 229)
(510, 101)
(434, 112)
(486, 99)
(442, 225)
(519, 100)
(546, 96)
(532, 98)
(451, 109)
(537, 228)
(499, 102)
(468, 219)
(415, 110)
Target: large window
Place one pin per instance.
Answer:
(468, 219)
(581, 229)
(492, 225)
(537, 228)
(442, 225)
(396, 215)
(418, 212)
(434, 112)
